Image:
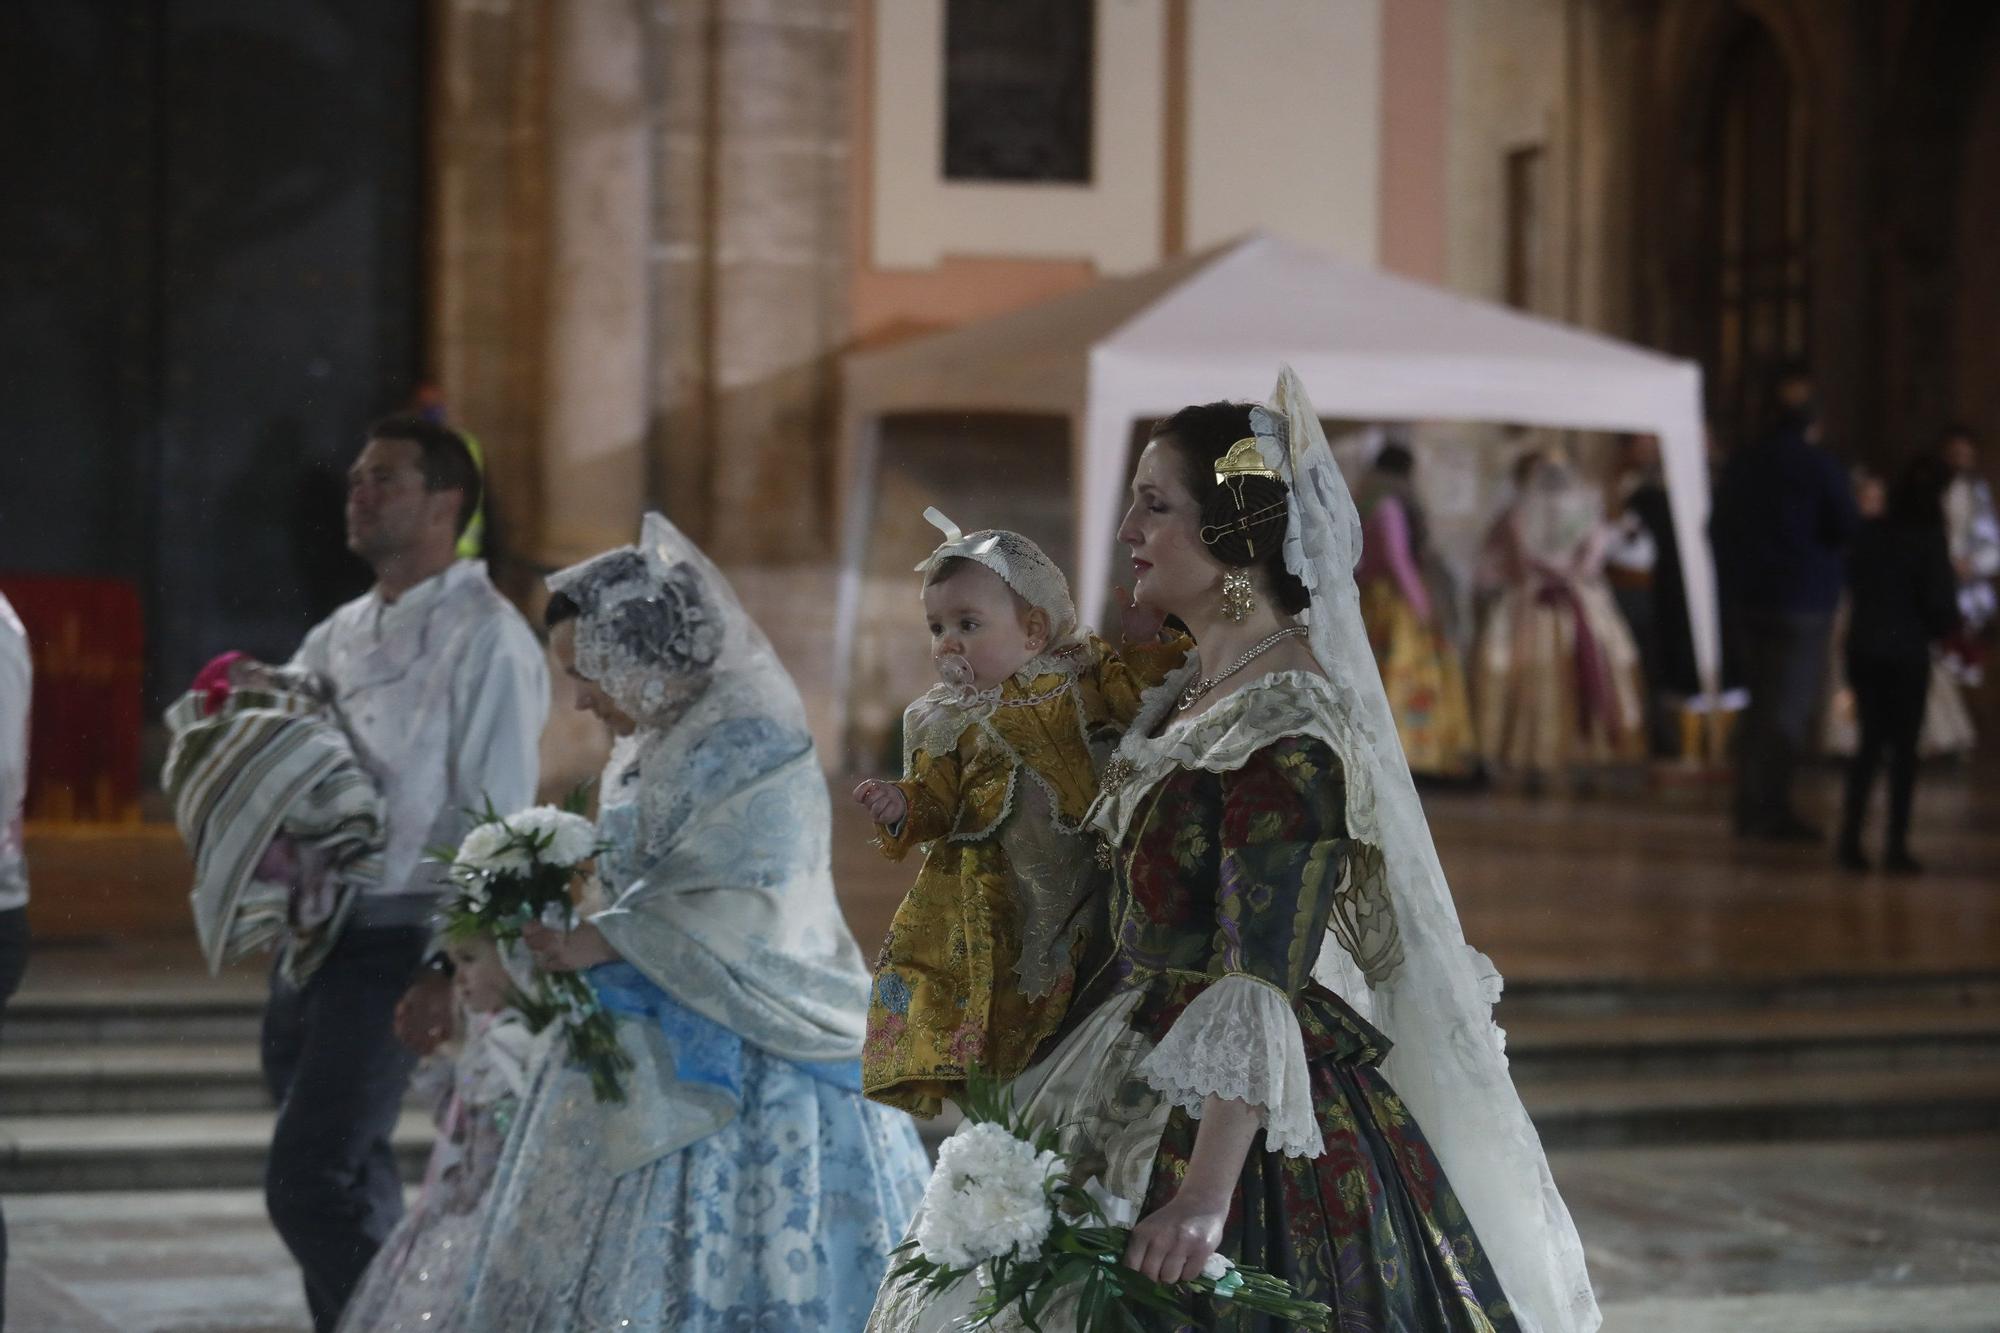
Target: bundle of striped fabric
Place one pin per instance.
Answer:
(266, 765)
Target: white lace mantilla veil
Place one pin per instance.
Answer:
(1555, 511)
(1448, 1063)
(728, 903)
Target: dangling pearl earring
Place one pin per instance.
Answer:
(1238, 597)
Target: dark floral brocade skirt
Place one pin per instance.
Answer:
(1370, 1227)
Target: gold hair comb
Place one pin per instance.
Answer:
(1241, 462)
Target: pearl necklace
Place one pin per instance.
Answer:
(1193, 693)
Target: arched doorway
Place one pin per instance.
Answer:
(1740, 294)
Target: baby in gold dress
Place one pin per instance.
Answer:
(1000, 763)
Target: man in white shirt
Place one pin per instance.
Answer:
(444, 689)
(16, 679)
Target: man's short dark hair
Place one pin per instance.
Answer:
(444, 458)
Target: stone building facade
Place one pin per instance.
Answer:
(641, 264)
(657, 224)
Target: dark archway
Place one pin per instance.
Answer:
(1737, 248)
(1976, 265)
(209, 282)
(1939, 193)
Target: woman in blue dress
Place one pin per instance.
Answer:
(744, 1183)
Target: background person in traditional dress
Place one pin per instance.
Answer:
(1644, 567)
(442, 687)
(1408, 608)
(1972, 528)
(17, 674)
(1902, 600)
(744, 1183)
(1556, 688)
(1262, 817)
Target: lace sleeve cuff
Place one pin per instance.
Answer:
(1240, 1040)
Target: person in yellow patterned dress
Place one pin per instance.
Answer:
(1000, 763)
(1407, 605)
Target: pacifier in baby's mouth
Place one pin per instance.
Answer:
(954, 670)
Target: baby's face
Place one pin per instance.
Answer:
(973, 617)
(478, 978)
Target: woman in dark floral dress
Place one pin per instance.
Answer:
(1270, 892)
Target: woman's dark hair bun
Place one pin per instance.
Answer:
(1244, 519)
(1203, 433)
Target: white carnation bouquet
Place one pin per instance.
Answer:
(517, 868)
(1002, 1208)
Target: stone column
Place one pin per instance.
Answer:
(487, 251)
(598, 357)
(751, 268)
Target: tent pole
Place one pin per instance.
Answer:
(865, 439)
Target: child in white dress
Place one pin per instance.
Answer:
(476, 1084)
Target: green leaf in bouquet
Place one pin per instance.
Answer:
(459, 928)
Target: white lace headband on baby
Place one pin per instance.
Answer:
(1017, 561)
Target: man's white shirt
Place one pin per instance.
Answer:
(445, 691)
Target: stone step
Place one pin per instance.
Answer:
(141, 1014)
(226, 1149)
(204, 1150)
(1629, 1110)
(106, 1078)
(1579, 997)
(1700, 1041)
(221, 1011)
(200, 1074)
(1675, 1110)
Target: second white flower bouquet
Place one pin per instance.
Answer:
(513, 869)
(1002, 1209)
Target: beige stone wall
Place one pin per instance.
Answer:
(1284, 109)
(488, 244)
(641, 262)
(1553, 75)
(750, 267)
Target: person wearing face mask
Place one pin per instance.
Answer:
(1000, 763)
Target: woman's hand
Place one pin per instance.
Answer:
(1172, 1243)
(884, 801)
(1137, 624)
(567, 951)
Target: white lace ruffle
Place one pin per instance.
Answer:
(1240, 1040)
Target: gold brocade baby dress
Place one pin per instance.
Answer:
(982, 957)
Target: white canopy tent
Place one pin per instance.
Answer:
(1369, 346)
